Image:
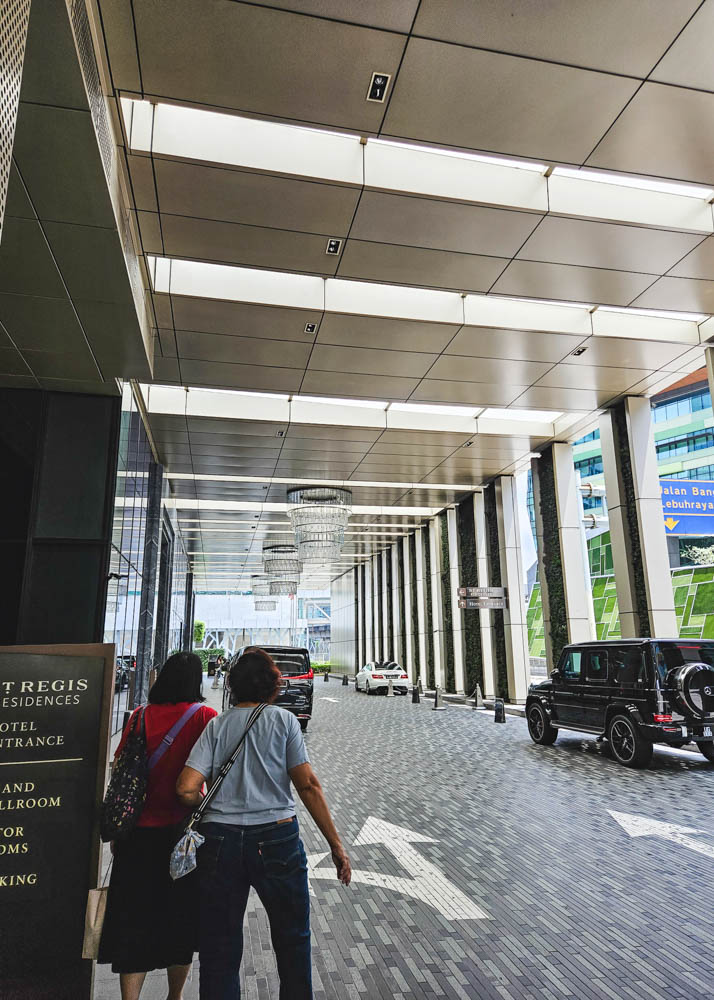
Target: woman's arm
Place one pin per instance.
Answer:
(188, 787)
(310, 791)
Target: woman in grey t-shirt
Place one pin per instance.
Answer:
(252, 835)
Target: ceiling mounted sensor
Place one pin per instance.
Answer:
(311, 327)
(578, 351)
(332, 249)
(319, 517)
(281, 561)
(378, 87)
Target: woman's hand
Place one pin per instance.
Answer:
(342, 864)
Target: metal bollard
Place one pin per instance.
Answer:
(500, 710)
(390, 689)
(415, 695)
(439, 705)
(478, 698)
(421, 689)
(345, 682)
(327, 676)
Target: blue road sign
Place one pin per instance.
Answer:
(688, 506)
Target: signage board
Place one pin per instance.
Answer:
(688, 506)
(54, 729)
(482, 591)
(483, 603)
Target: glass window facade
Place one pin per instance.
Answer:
(681, 407)
(683, 444)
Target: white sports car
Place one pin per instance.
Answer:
(374, 677)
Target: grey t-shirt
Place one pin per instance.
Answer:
(257, 787)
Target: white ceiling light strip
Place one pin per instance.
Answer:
(274, 147)
(327, 483)
(189, 503)
(361, 298)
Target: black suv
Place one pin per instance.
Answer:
(297, 687)
(633, 693)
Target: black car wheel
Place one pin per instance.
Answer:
(367, 688)
(627, 744)
(303, 724)
(707, 749)
(539, 726)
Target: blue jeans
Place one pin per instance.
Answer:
(271, 858)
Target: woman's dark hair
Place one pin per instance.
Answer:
(254, 677)
(179, 680)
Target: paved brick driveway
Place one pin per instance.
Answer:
(575, 907)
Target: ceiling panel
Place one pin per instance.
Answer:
(41, 323)
(573, 284)
(416, 266)
(395, 334)
(497, 372)
(688, 63)
(244, 350)
(609, 35)
(369, 361)
(549, 398)
(688, 294)
(313, 70)
(585, 376)
(483, 342)
(60, 364)
(622, 353)
(250, 246)
(12, 363)
(396, 436)
(254, 199)
(664, 131)
(514, 105)
(304, 432)
(600, 244)
(478, 393)
(215, 316)
(698, 264)
(441, 225)
(366, 386)
(246, 377)
(26, 264)
(396, 15)
(386, 449)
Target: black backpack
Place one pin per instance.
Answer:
(126, 793)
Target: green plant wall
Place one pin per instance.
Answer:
(429, 623)
(471, 620)
(447, 636)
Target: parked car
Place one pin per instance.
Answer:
(296, 694)
(375, 677)
(122, 674)
(631, 692)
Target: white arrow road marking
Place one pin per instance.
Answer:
(643, 826)
(334, 700)
(428, 884)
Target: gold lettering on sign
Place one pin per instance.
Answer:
(7, 881)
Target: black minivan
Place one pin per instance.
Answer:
(296, 693)
(631, 692)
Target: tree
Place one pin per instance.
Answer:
(199, 632)
(699, 555)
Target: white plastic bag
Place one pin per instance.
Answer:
(183, 856)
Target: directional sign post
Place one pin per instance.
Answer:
(688, 506)
(480, 598)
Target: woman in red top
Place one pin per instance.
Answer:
(151, 920)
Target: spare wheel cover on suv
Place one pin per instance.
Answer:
(693, 687)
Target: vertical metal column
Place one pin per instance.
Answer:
(457, 616)
(14, 19)
(187, 637)
(409, 637)
(377, 634)
(386, 650)
(437, 611)
(359, 584)
(397, 637)
(147, 605)
(489, 676)
(368, 615)
(639, 545)
(514, 617)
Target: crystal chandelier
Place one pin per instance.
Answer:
(319, 516)
(281, 560)
(283, 586)
(263, 604)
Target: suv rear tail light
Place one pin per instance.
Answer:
(662, 718)
(304, 677)
(377, 677)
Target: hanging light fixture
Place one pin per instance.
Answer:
(283, 586)
(319, 517)
(261, 594)
(281, 560)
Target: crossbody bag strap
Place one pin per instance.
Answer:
(213, 790)
(171, 735)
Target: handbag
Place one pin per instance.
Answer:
(94, 918)
(126, 793)
(183, 856)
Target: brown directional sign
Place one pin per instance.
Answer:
(482, 592)
(482, 603)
